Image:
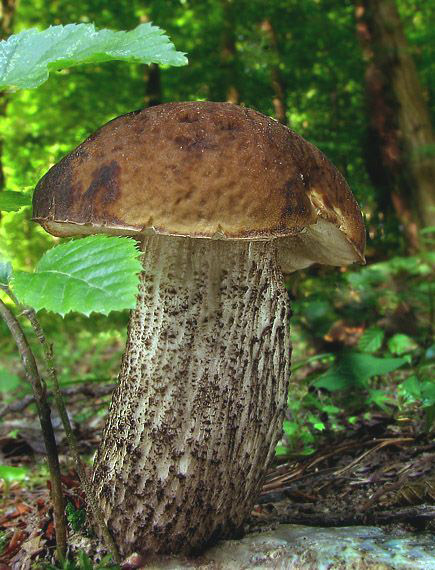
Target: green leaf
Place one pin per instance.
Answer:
(5, 271)
(290, 428)
(94, 274)
(330, 410)
(401, 343)
(8, 381)
(75, 517)
(411, 387)
(354, 369)
(371, 340)
(428, 393)
(316, 422)
(84, 561)
(13, 201)
(10, 474)
(428, 230)
(296, 365)
(281, 450)
(380, 399)
(27, 58)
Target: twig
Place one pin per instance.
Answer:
(20, 405)
(419, 512)
(382, 444)
(39, 392)
(72, 441)
(275, 479)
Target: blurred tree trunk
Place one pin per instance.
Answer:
(277, 78)
(228, 53)
(153, 88)
(7, 12)
(401, 140)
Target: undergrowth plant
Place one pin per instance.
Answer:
(65, 279)
(377, 352)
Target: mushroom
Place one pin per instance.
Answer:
(223, 200)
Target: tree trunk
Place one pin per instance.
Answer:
(229, 54)
(202, 394)
(277, 78)
(400, 129)
(7, 12)
(153, 91)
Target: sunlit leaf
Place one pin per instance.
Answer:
(316, 423)
(94, 274)
(13, 201)
(281, 450)
(411, 387)
(27, 58)
(371, 340)
(10, 474)
(290, 428)
(401, 343)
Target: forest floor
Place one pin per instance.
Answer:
(379, 472)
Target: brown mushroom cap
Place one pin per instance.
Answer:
(209, 170)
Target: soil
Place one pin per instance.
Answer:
(378, 472)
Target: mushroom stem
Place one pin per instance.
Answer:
(201, 398)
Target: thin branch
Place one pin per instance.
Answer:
(40, 395)
(84, 389)
(405, 514)
(369, 451)
(72, 441)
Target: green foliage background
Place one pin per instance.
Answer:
(390, 301)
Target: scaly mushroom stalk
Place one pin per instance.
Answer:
(203, 382)
(201, 397)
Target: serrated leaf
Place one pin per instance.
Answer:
(93, 274)
(371, 340)
(13, 201)
(401, 343)
(27, 58)
(5, 271)
(354, 369)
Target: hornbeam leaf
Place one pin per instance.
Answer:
(27, 58)
(13, 201)
(93, 274)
